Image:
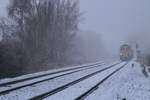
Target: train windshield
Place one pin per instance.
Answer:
(122, 49)
(127, 49)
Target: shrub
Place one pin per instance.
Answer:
(13, 59)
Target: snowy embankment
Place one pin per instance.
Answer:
(129, 83)
(31, 91)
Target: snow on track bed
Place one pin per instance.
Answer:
(40, 74)
(41, 79)
(37, 89)
(76, 90)
(129, 83)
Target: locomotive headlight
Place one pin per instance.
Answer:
(121, 54)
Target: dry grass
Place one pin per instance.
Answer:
(145, 73)
(142, 66)
(149, 69)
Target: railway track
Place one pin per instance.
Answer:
(92, 89)
(47, 77)
(30, 78)
(64, 87)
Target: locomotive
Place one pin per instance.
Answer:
(126, 52)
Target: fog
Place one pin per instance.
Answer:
(92, 45)
(142, 39)
(118, 22)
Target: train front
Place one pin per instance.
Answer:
(125, 52)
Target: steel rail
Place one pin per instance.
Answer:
(44, 95)
(19, 87)
(84, 95)
(34, 77)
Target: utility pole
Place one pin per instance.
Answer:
(138, 52)
(118, 53)
(149, 49)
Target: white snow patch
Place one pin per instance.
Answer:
(76, 90)
(128, 83)
(40, 88)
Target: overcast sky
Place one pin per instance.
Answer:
(118, 21)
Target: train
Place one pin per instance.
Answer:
(126, 52)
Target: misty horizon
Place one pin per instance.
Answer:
(118, 22)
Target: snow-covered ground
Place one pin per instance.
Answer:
(78, 89)
(42, 78)
(31, 91)
(129, 83)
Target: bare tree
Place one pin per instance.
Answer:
(17, 11)
(65, 21)
(44, 28)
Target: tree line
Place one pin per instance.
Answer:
(37, 34)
